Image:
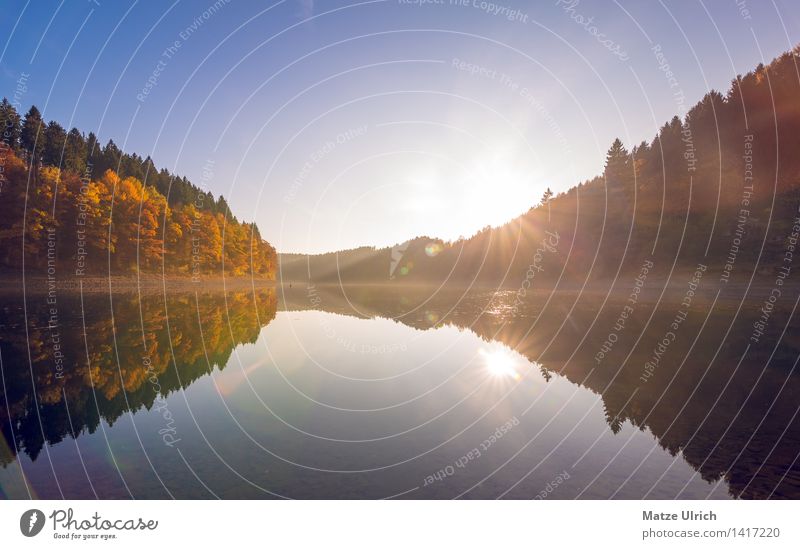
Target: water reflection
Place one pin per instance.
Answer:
(500, 363)
(110, 357)
(726, 407)
(371, 393)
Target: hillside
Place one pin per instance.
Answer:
(720, 187)
(72, 207)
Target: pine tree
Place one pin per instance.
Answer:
(32, 136)
(9, 125)
(617, 170)
(75, 152)
(55, 140)
(110, 158)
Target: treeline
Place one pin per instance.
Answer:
(68, 201)
(719, 186)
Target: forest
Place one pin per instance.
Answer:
(71, 206)
(719, 186)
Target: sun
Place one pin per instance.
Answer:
(500, 363)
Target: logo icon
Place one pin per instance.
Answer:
(31, 523)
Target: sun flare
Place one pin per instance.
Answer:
(500, 363)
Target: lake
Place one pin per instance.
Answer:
(371, 392)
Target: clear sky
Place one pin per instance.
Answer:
(338, 123)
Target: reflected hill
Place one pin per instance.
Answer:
(140, 350)
(724, 404)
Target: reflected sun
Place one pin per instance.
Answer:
(500, 363)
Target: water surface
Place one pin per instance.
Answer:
(371, 393)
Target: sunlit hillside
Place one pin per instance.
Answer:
(718, 187)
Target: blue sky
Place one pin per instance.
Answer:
(339, 123)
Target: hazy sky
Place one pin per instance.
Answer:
(340, 123)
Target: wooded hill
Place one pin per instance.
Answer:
(720, 187)
(70, 205)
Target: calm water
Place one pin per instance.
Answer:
(315, 393)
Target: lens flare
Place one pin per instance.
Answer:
(433, 249)
(500, 363)
(431, 317)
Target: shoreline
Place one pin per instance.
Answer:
(132, 284)
(153, 284)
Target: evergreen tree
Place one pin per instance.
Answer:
(32, 135)
(617, 166)
(9, 125)
(111, 157)
(92, 147)
(55, 141)
(75, 152)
